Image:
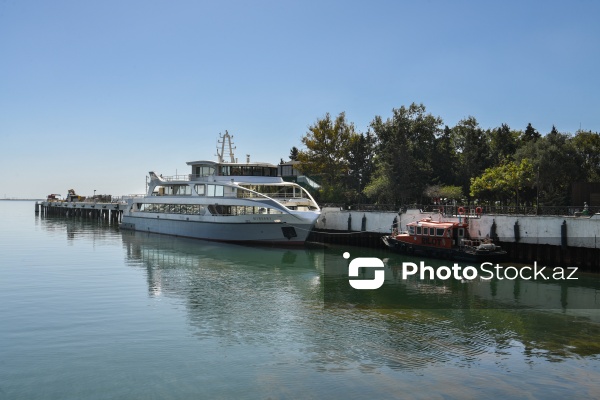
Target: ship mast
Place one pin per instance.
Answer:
(223, 139)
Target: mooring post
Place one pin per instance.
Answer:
(563, 235)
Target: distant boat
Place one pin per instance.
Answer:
(225, 201)
(448, 240)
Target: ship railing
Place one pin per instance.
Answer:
(362, 207)
(187, 177)
(243, 194)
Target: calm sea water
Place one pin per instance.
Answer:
(90, 312)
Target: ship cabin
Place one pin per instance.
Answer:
(211, 170)
(436, 234)
(237, 180)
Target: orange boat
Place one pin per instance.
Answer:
(449, 240)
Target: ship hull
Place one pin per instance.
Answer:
(457, 254)
(291, 232)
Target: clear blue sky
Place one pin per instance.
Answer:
(94, 94)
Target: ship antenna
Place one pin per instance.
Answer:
(222, 139)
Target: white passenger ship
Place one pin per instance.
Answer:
(225, 201)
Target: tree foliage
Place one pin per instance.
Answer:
(473, 150)
(557, 164)
(361, 151)
(406, 143)
(504, 181)
(530, 134)
(445, 193)
(409, 157)
(587, 144)
(328, 145)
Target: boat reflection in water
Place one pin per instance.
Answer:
(273, 304)
(576, 297)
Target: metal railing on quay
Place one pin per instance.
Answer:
(474, 210)
(471, 210)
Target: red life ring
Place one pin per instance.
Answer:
(478, 210)
(461, 210)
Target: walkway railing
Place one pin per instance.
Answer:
(471, 209)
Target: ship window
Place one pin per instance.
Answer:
(439, 232)
(214, 190)
(227, 210)
(225, 170)
(199, 189)
(159, 191)
(431, 231)
(176, 190)
(411, 229)
(418, 230)
(204, 170)
(461, 232)
(182, 190)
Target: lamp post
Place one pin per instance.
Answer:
(537, 195)
(94, 195)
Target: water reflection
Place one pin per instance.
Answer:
(579, 296)
(271, 300)
(77, 227)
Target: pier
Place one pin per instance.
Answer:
(112, 211)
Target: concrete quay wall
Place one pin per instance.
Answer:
(552, 240)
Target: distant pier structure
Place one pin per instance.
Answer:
(109, 211)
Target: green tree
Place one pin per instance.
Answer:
(530, 134)
(444, 192)
(445, 159)
(404, 154)
(327, 147)
(361, 152)
(473, 150)
(503, 143)
(587, 144)
(294, 154)
(557, 163)
(505, 181)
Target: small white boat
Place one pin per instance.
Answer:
(225, 201)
